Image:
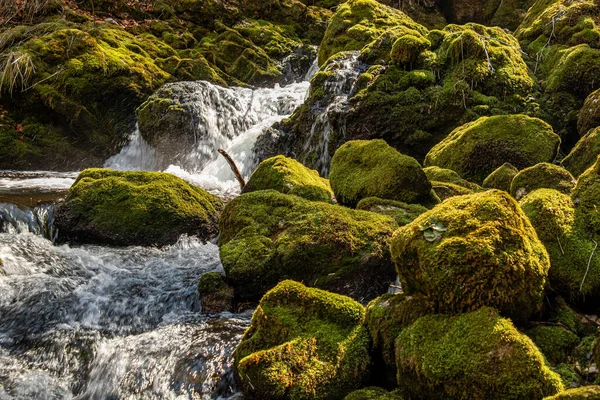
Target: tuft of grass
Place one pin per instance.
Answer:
(16, 69)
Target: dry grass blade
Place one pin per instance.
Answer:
(24, 10)
(16, 69)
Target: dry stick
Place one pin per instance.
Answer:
(560, 245)
(588, 266)
(234, 168)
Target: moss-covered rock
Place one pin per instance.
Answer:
(501, 177)
(476, 149)
(445, 190)
(582, 393)
(215, 295)
(403, 213)
(374, 393)
(555, 342)
(570, 378)
(303, 344)
(267, 236)
(589, 116)
(586, 195)
(287, 175)
(135, 208)
(542, 175)
(448, 176)
(386, 317)
(562, 230)
(361, 169)
(472, 251)
(477, 355)
(584, 154)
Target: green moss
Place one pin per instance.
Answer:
(542, 175)
(287, 175)
(215, 294)
(403, 213)
(476, 149)
(575, 72)
(373, 393)
(589, 115)
(586, 195)
(361, 169)
(406, 49)
(563, 314)
(448, 176)
(445, 190)
(477, 355)
(135, 208)
(570, 378)
(386, 317)
(357, 23)
(267, 236)
(584, 154)
(582, 393)
(477, 261)
(563, 232)
(303, 344)
(555, 342)
(501, 177)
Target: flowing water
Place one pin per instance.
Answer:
(98, 322)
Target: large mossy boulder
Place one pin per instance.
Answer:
(303, 344)
(586, 195)
(476, 149)
(501, 177)
(135, 208)
(563, 232)
(403, 213)
(372, 168)
(474, 356)
(580, 393)
(267, 236)
(584, 154)
(472, 251)
(542, 175)
(288, 176)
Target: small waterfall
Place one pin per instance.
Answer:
(38, 220)
(136, 155)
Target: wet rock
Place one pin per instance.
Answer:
(215, 295)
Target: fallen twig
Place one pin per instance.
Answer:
(234, 168)
(588, 266)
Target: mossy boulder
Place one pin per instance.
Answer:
(135, 208)
(303, 344)
(445, 190)
(403, 213)
(478, 355)
(586, 195)
(215, 295)
(555, 342)
(542, 175)
(584, 154)
(361, 169)
(448, 176)
(374, 393)
(267, 236)
(581, 393)
(589, 115)
(287, 175)
(476, 149)
(561, 228)
(472, 251)
(386, 317)
(501, 177)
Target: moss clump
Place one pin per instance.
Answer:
(445, 190)
(362, 168)
(477, 260)
(542, 175)
(589, 115)
(135, 208)
(501, 178)
(584, 153)
(570, 378)
(215, 295)
(287, 175)
(303, 344)
(477, 355)
(560, 227)
(406, 49)
(581, 393)
(586, 195)
(555, 342)
(403, 213)
(374, 393)
(386, 317)
(448, 176)
(563, 314)
(267, 236)
(476, 149)
(357, 23)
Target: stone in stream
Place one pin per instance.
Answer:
(135, 208)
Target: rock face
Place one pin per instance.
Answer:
(461, 258)
(361, 169)
(542, 175)
(303, 344)
(584, 153)
(288, 176)
(477, 355)
(135, 208)
(562, 229)
(476, 149)
(501, 178)
(267, 236)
